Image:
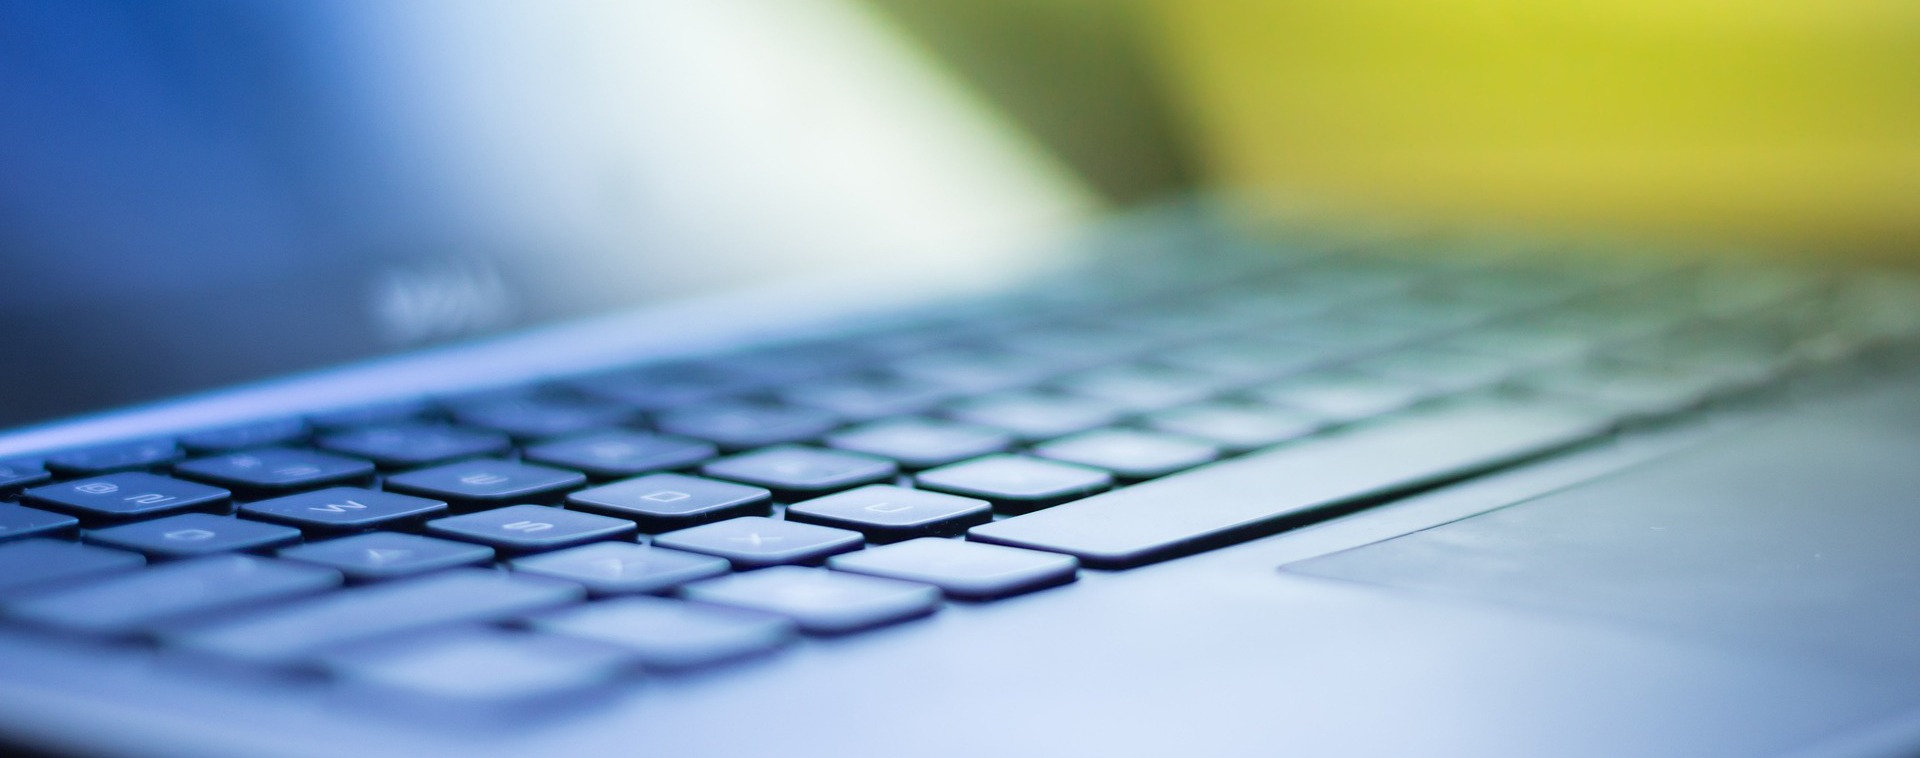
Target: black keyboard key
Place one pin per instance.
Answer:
(488, 482)
(126, 496)
(529, 528)
(863, 398)
(297, 632)
(242, 436)
(139, 601)
(967, 570)
(105, 459)
(1340, 396)
(388, 555)
(1016, 484)
(613, 455)
(671, 501)
(818, 600)
(462, 669)
(622, 568)
(275, 470)
(922, 443)
(751, 541)
(1141, 388)
(20, 522)
(671, 634)
(886, 512)
(191, 535)
(1235, 427)
(793, 473)
(1285, 487)
(738, 426)
(394, 413)
(1129, 454)
(36, 564)
(20, 473)
(345, 509)
(538, 417)
(413, 445)
(1034, 416)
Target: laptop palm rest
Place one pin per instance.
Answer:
(1801, 536)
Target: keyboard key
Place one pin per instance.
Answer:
(752, 541)
(660, 387)
(922, 443)
(388, 555)
(38, 563)
(483, 667)
(613, 455)
(672, 501)
(345, 509)
(191, 535)
(20, 522)
(487, 482)
(126, 496)
(296, 632)
(861, 398)
(886, 512)
(1270, 491)
(1236, 428)
(977, 370)
(1033, 416)
(818, 600)
(618, 568)
(128, 603)
(276, 470)
(395, 413)
(1129, 454)
(528, 528)
(671, 634)
(1247, 359)
(539, 417)
(968, 570)
(1438, 371)
(739, 425)
(1340, 397)
(1628, 392)
(105, 459)
(793, 473)
(1016, 484)
(1141, 388)
(242, 436)
(413, 445)
(17, 474)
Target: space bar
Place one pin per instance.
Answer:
(1289, 486)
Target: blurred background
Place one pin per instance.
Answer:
(1781, 124)
(198, 192)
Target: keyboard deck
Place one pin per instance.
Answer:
(521, 542)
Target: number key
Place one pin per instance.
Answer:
(275, 470)
(126, 496)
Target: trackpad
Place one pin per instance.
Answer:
(1803, 535)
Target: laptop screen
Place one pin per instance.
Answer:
(194, 194)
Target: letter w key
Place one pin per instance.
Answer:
(345, 509)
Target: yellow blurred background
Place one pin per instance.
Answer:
(1787, 124)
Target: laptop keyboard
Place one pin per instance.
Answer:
(575, 533)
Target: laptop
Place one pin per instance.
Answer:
(726, 379)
